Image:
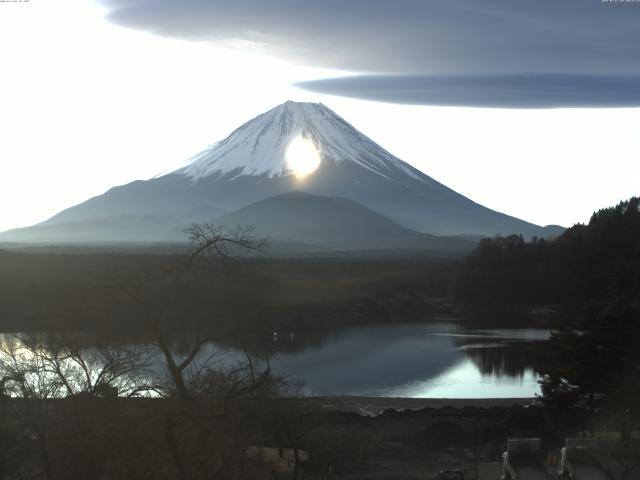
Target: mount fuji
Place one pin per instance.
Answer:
(250, 166)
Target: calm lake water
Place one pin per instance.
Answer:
(434, 360)
(421, 361)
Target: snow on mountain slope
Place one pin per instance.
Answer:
(250, 166)
(259, 146)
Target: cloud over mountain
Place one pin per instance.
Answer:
(492, 91)
(484, 41)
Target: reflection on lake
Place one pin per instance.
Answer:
(434, 360)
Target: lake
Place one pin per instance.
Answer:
(428, 360)
(437, 360)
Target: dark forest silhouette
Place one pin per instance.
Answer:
(592, 272)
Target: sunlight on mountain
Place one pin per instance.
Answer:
(302, 157)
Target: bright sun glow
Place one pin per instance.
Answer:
(302, 157)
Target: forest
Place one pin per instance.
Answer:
(69, 411)
(591, 273)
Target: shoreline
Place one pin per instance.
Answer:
(374, 406)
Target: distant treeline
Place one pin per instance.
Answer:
(581, 270)
(586, 264)
(592, 273)
(118, 293)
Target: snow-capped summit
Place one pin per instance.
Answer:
(259, 146)
(252, 165)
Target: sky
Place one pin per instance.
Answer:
(531, 108)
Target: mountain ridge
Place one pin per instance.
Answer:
(333, 222)
(258, 146)
(250, 166)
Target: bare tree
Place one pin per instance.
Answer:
(73, 425)
(44, 384)
(23, 375)
(206, 421)
(207, 241)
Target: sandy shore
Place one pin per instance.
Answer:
(376, 405)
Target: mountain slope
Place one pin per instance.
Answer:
(138, 226)
(250, 166)
(259, 147)
(333, 222)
